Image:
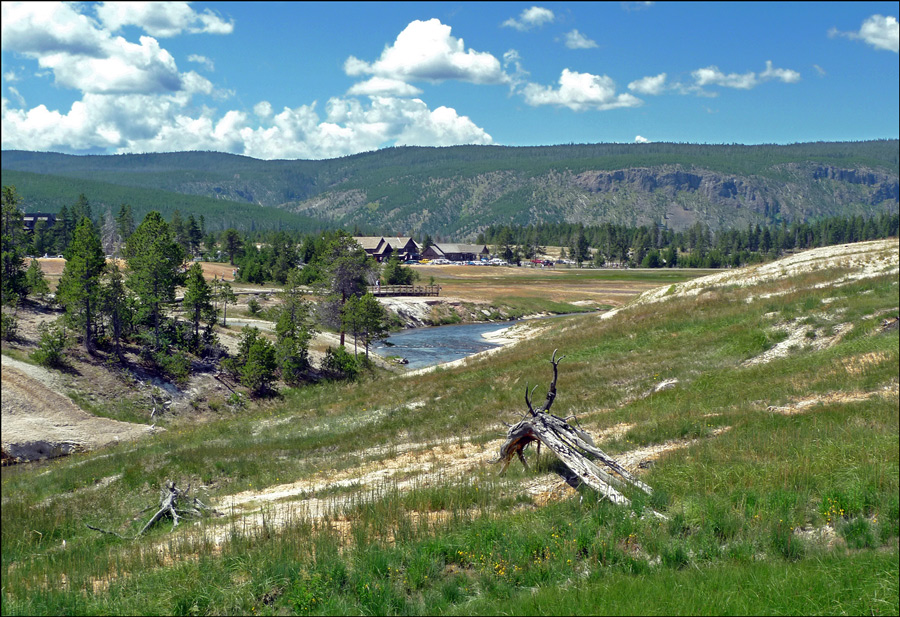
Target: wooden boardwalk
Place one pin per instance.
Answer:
(404, 290)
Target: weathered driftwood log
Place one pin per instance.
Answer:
(573, 447)
(174, 503)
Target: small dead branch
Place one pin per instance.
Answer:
(175, 504)
(572, 446)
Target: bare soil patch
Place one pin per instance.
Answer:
(40, 422)
(809, 403)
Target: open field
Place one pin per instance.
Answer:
(764, 415)
(509, 284)
(520, 290)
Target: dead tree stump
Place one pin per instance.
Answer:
(175, 504)
(573, 447)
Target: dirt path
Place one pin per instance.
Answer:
(413, 465)
(39, 421)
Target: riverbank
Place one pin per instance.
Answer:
(505, 337)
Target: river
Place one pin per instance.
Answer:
(425, 347)
(433, 345)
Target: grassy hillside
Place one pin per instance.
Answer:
(762, 409)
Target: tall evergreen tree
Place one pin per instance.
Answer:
(223, 293)
(35, 281)
(13, 247)
(115, 304)
(154, 263)
(125, 222)
(371, 320)
(194, 235)
(349, 270)
(294, 330)
(81, 209)
(62, 230)
(42, 240)
(232, 243)
(198, 299)
(79, 286)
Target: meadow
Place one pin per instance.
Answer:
(777, 476)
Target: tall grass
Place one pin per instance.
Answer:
(765, 512)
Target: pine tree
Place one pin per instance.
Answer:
(197, 299)
(373, 320)
(294, 330)
(231, 242)
(125, 222)
(349, 270)
(194, 235)
(62, 230)
(222, 293)
(395, 273)
(81, 209)
(79, 286)
(42, 240)
(115, 305)
(154, 262)
(35, 281)
(13, 251)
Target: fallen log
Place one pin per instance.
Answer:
(175, 504)
(572, 446)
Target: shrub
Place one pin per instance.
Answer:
(253, 306)
(175, 365)
(339, 364)
(9, 325)
(53, 342)
(258, 371)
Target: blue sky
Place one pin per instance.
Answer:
(322, 80)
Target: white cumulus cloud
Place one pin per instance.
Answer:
(579, 92)
(84, 57)
(147, 123)
(426, 51)
(134, 99)
(649, 85)
(712, 76)
(162, 19)
(576, 40)
(383, 86)
(878, 31)
(641, 140)
(530, 18)
(203, 60)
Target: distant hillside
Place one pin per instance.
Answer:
(48, 193)
(458, 191)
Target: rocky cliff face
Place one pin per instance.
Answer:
(672, 195)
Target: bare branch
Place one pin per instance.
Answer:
(573, 446)
(169, 507)
(528, 398)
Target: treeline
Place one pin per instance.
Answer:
(50, 193)
(107, 308)
(301, 177)
(696, 247)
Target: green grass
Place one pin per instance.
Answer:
(124, 409)
(746, 503)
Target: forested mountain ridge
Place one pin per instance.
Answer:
(459, 191)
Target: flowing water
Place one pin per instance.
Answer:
(436, 345)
